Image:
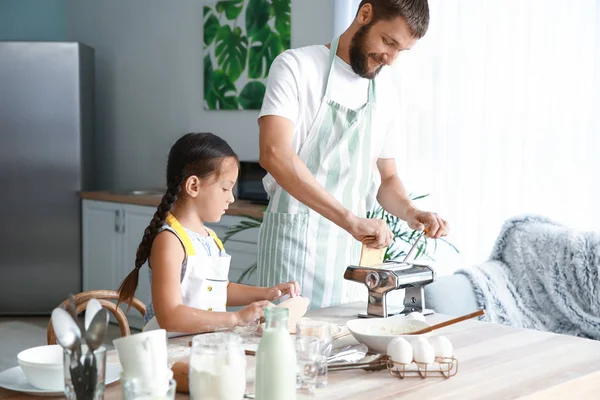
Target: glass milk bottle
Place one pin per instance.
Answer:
(276, 358)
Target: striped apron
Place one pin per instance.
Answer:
(297, 243)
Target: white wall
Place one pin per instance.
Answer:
(149, 87)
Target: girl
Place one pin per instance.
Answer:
(188, 264)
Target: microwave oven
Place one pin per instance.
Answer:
(250, 186)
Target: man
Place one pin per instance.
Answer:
(327, 138)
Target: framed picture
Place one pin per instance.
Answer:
(241, 40)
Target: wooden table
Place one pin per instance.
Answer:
(495, 362)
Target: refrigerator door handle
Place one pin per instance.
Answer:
(117, 220)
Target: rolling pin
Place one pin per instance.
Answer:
(181, 371)
(181, 374)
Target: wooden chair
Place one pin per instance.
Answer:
(104, 297)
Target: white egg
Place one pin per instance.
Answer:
(423, 352)
(416, 315)
(400, 351)
(441, 346)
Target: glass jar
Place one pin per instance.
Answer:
(84, 378)
(217, 367)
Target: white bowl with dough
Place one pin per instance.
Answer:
(376, 333)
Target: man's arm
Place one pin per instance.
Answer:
(392, 196)
(278, 157)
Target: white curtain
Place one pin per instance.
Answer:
(343, 15)
(501, 117)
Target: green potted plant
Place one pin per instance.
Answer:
(404, 236)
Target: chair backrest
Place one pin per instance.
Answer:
(106, 298)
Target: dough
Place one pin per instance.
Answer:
(297, 307)
(370, 257)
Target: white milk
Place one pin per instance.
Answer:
(276, 359)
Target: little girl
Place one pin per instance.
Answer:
(188, 264)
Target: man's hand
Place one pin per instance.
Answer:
(434, 226)
(373, 233)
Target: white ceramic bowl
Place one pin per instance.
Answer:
(376, 333)
(43, 367)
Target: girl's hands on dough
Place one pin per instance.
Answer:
(289, 288)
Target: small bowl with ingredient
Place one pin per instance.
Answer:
(377, 333)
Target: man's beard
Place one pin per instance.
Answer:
(359, 59)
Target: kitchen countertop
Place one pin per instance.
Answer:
(238, 208)
(495, 362)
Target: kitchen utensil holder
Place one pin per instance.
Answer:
(446, 368)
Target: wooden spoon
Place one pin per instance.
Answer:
(447, 323)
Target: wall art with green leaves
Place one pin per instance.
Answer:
(241, 40)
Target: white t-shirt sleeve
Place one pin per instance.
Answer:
(281, 97)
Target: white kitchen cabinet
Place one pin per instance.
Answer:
(136, 220)
(112, 233)
(243, 255)
(102, 245)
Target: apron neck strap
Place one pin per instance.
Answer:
(332, 53)
(216, 239)
(187, 243)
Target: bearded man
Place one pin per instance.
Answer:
(328, 141)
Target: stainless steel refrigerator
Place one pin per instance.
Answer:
(46, 159)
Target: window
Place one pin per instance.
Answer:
(501, 116)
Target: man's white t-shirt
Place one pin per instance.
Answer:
(296, 86)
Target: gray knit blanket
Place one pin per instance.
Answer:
(541, 275)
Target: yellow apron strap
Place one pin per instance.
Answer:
(217, 240)
(187, 243)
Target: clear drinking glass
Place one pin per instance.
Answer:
(217, 367)
(84, 378)
(307, 352)
(322, 331)
(134, 389)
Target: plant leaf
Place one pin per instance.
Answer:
(248, 272)
(252, 95)
(249, 223)
(282, 12)
(450, 244)
(232, 8)
(209, 94)
(257, 16)
(211, 26)
(231, 51)
(265, 47)
(222, 94)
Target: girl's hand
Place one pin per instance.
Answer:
(251, 313)
(278, 291)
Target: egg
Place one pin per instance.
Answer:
(441, 346)
(416, 315)
(400, 351)
(423, 352)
